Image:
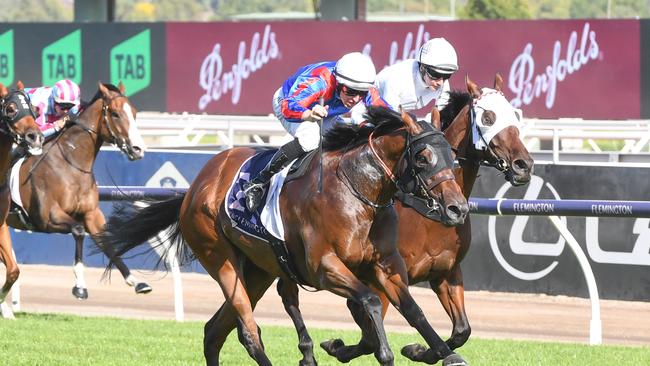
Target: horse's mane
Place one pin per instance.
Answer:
(383, 120)
(457, 101)
(98, 95)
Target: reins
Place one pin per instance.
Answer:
(73, 123)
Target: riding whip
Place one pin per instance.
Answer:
(321, 101)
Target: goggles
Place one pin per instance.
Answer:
(65, 106)
(353, 92)
(433, 74)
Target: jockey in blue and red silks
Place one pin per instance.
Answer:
(341, 85)
(54, 104)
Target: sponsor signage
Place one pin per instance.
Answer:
(527, 254)
(7, 57)
(131, 62)
(62, 59)
(87, 53)
(568, 70)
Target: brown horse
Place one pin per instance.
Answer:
(432, 252)
(58, 189)
(17, 125)
(339, 239)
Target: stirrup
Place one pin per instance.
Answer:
(254, 193)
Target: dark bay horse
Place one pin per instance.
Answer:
(17, 125)
(432, 251)
(58, 189)
(339, 240)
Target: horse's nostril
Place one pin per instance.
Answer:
(32, 137)
(454, 211)
(521, 165)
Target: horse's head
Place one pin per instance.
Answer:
(495, 131)
(426, 170)
(118, 114)
(18, 120)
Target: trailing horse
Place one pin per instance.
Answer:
(17, 125)
(341, 239)
(58, 192)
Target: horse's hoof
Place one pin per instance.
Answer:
(311, 362)
(331, 346)
(142, 288)
(6, 311)
(454, 359)
(414, 352)
(80, 293)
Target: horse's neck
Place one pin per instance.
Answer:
(366, 173)
(459, 136)
(81, 145)
(5, 157)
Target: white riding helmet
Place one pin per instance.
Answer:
(439, 54)
(356, 71)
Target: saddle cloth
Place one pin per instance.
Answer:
(14, 182)
(16, 202)
(266, 219)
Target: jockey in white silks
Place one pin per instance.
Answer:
(413, 83)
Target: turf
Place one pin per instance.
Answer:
(45, 339)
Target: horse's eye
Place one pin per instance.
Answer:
(11, 110)
(115, 114)
(488, 118)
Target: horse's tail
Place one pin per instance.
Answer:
(134, 224)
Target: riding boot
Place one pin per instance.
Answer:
(254, 190)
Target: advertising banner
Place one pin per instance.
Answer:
(551, 68)
(41, 54)
(527, 253)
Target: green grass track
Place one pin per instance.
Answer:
(46, 339)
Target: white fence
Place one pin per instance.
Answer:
(555, 141)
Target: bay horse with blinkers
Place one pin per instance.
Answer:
(341, 239)
(17, 125)
(58, 190)
(482, 129)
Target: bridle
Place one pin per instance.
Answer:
(492, 160)
(410, 179)
(113, 138)
(23, 109)
(91, 131)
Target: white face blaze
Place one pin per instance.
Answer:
(134, 134)
(506, 115)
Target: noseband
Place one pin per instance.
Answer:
(410, 179)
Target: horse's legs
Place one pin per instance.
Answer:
(223, 264)
(12, 271)
(218, 328)
(368, 342)
(80, 291)
(451, 293)
(94, 222)
(391, 275)
(337, 278)
(288, 291)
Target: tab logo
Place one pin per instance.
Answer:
(131, 62)
(7, 57)
(62, 59)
